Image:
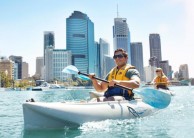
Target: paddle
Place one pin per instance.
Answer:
(153, 97)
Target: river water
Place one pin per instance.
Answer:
(175, 121)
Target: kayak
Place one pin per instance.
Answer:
(42, 115)
(60, 114)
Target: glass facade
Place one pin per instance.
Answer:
(61, 59)
(121, 36)
(80, 41)
(109, 66)
(104, 50)
(49, 41)
(18, 60)
(155, 46)
(137, 58)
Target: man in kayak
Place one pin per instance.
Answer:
(123, 74)
(160, 81)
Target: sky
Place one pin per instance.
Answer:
(23, 22)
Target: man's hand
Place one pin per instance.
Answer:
(91, 76)
(113, 82)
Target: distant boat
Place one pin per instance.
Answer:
(43, 87)
(2, 89)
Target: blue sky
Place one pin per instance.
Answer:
(23, 22)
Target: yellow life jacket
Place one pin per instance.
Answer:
(162, 79)
(120, 74)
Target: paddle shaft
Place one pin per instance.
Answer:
(120, 86)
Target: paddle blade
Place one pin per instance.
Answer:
(83, 77)
(70, 70)
(156, 98)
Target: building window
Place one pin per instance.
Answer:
(79, 35)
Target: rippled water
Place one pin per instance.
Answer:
(176, 121)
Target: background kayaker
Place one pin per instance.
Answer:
(160, 81)
(123, 74)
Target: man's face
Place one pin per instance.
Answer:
(119, 58)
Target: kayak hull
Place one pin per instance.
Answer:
(58, 115)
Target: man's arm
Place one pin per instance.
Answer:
(99, 86)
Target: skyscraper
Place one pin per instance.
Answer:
(137, 58)
(121, 36)
(154, 62)
(6, 66)
(108, 65)
(18, 61)
(155, 46)
(49, 41)
(96, 54)
(55, 61)
(39, 66)
(183, 72)
(25, 73)
(80, 40)
(149, 73)
(165, 67)
(48, 64)
(104, 51)
(60, 59)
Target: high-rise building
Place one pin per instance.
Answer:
(97, 59)
(80, 40)
(155, 46)
(6, 66)
(149, 73)
(56, 60)
(165, 67)
(15, 71)
(137, 58)
(61, 59)
(25, 73)
(48, 64)
(104, 50)
(18, 61)
(108, 65)
(49, 41)
(169, 75)
(121, 36)
(153, 61)
(183, 72)
(39, 66)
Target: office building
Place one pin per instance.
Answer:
(61, 58)
(80, 41)
(165, 67)
(97, 64)
(25, 73)
(149, 73)
(108, 65)
(104, 51)
(49, 41)
(121, 36)
(6, 67)
(39, 66)
(183, 72)
(56, 60)
(137, 58)
(155, 46)
(18, 61)
(153, 61)
(48, 64)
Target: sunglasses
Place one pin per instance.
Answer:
(157, 70)
(118, 56)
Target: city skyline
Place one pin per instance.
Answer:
(22, 26)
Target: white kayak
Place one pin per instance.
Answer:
(58, 115)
